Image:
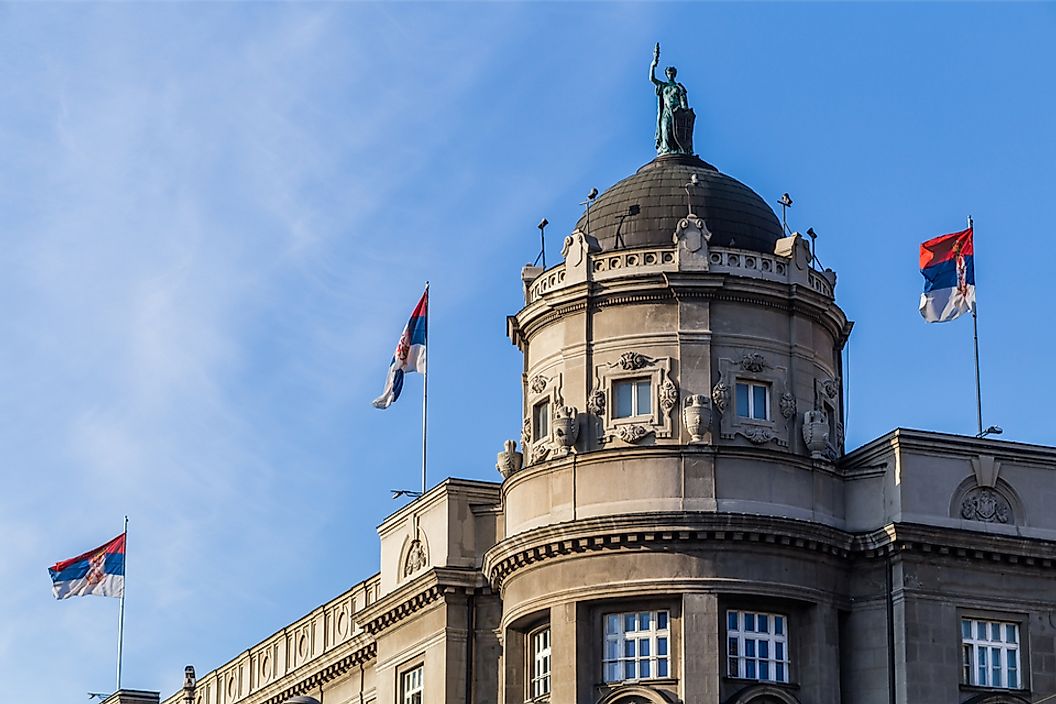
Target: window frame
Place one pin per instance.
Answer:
(975, 645)
(653, 637)
(634, 382)
(402, 673)
(750, 386)
(770, 637)
(541, 410)
(534, 657)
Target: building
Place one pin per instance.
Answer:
(682, 523)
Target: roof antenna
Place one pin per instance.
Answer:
(590, 199)
(786, 203)
(693, 183)
(542, 241)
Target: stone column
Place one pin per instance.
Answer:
(701, 651)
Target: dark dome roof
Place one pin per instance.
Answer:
(734, 213)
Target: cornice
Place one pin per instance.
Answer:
(277, 692)
(416, 595)
(947, 445)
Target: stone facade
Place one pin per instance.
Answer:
(681, 523)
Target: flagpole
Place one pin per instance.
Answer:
(975, 337)
(121, 610)
(425, 387)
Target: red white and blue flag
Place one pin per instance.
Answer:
(409, 355)
(98, 572)
(947, 263)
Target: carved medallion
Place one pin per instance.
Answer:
(788, 405)
(986, 505)
(632, 433)
(633, 360)
(596, 402)
(538, 383)
(831, 387)
(668, 395)
(416, 558)
(753, 363)
(720, 396)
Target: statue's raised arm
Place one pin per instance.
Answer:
(652, 66)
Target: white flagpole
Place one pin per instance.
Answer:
(121, 610)
(425, 387)
(975, 336)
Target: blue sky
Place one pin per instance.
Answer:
(216, 219)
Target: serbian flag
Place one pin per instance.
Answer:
(99, 572)
(409, 355)
(949, 276)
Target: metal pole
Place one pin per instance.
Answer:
(425, 387)
(975, 337)
(121, 611)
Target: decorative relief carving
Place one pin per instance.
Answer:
(831, 387)
(538, 383)
(816, 433)
(986, 505)
(632, 433)
(668, 395)
(696, 414)
(566, 427)
(509, 460)
(753, 362)
(720, 395)
(596, 402)
(633, 360)
(757, 434)
(539, 453)
(788, 405)
(526, 432)
(416, 558)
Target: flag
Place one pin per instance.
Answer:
(99, 572)
(949, 276)
(409, 355)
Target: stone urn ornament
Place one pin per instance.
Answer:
(566, 426)
(696, 414)
(816, 433)
(509, 460)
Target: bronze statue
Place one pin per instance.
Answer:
(674, 117)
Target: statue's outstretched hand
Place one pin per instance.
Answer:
(656, 54)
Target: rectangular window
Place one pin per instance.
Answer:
(753, 400)
(637, 646)
(412, 686)
(757, 646)
(540, 683)
(541, 421)
(633, 398)
(990, 652)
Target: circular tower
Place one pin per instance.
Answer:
(672, 521)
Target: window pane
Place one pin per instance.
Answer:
(612, 624)
(764, 649)
(995, 632)
(764, 670)
(612, 650)
(645, 398)
(749, 648)
(623, 399)
(644, 621)
(628, 670)
(644, 669)
(749, 622)
(759, 402)
(1010, 633)
(733, 646)
(742, 400)
(779, 625)
(628, 623)
(731, 620)
(542, 420)
(779, 672)
(661, 668)
(661, 620)
(628, 648)
(762, 623)
(749, 669)
(732, 665)
(643, 647)
(612, 672)
(779, 651)
(980, 630)
(661, 646)
(966, 629)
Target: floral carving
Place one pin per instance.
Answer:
(632, 433)
(986, 505)
(526, 432)
(416, 558)
(788, 405)
(831, 387)
(720, 396)
(596, 402)
(538, 383)
(668, 395)
(757, 435)
(539, 453)
(633, 360)
(753, 363)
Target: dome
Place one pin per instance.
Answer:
(735, 214)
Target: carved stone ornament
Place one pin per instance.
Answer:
(632, 433)
(633, 360)
(539, 453)
(668, 395)
(596, 402)
(753, 363)
(757, 434)
(538, 383)
(526, 432)
(416, 558)
(986, 505)
(509, 460)
(831, 387)
(696, 414)
(720, 395)
(788, 405)
(816, 433)
(566, 425)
